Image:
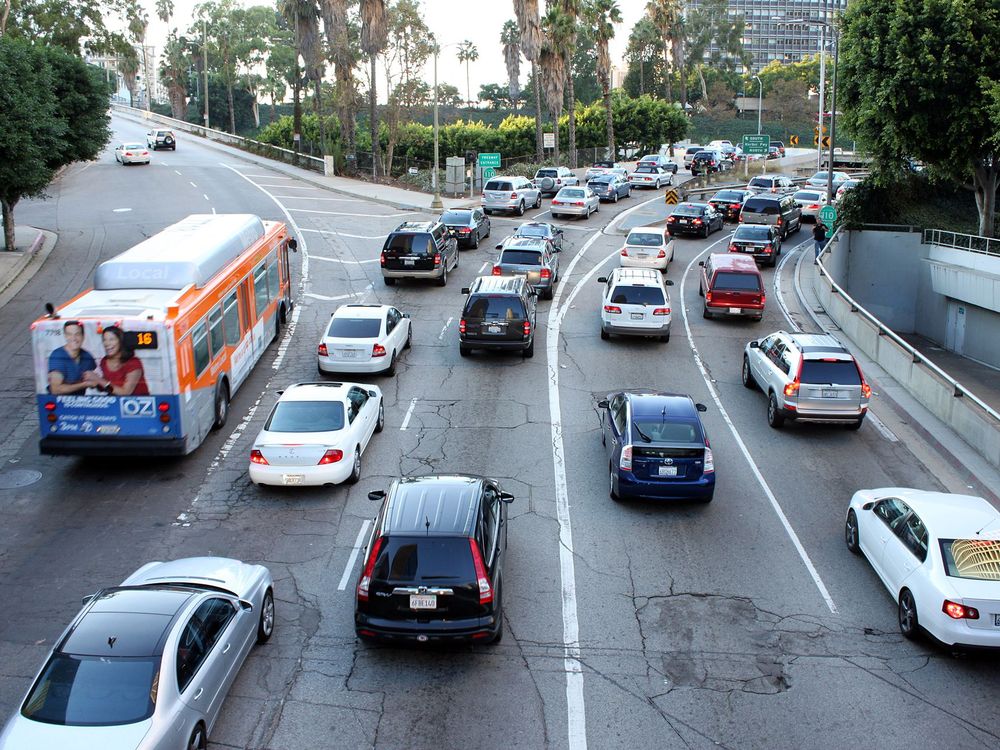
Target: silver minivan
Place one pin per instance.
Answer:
(512, 194)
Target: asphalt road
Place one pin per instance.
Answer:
(741, 624)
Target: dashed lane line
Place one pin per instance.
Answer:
(409, 414)
(341, 213)
(444, 329)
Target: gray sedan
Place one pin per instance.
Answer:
(148, 664)
(610, 187)
(575, 201)
(534, 258)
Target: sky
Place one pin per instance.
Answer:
(451, 21)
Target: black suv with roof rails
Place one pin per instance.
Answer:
(419, 250)
(433, 567)
(498, 314)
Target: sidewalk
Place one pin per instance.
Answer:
(19, 266)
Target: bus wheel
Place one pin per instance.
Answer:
(221, 406)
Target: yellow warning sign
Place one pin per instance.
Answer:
(793, 140)
(671, 198)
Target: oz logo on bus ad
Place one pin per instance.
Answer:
(141, 406)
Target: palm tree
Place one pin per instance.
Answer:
(303, 15)
(643, 45)
(668, 17)
(342, 53)
(602, 15)
(374, 36)
(510, 38)
(571, 9)
(174, 73)
(558, 29)
(467, 53)
(138, 24)
(529, 24)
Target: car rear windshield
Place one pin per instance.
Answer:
(732, 196)
(645, 239)
(571, 193)
(414, 244)
(692, 150)
(93, 691)
(456, 217)
(599, 182)
(660, 431)
(498, 185)
(835, 372)
(704, 155)
(604, 164)
(354, 328)
(805, 195)
(637, 295)
(496, 308)
(646, 168)
(306, 416)
(547, 173)
(687, 210)
(736, 282)
(424, 559)
(762, 206)
(753, 232)
(521, 257)
(532, 230)
(978, 559)
(764, 182)
(136, 146)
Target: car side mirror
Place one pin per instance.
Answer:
(246, 605)
(557, 249)
(559, 231)
(293, 244)
(465, 290)
(868, 506)
(406, 315)
(376, 495)
(87, 598)
(668, 282)
(500, 246)
(754, 345)
(373, 394)
(602, 279)
(506, 497)
(701, 407)
(701, 263)
(602, 404)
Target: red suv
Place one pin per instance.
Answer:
(732, 286)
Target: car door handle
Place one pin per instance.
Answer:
(226, 649)
(198, 694)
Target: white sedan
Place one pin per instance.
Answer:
(647, 247)
(364, 338)
(131, 153)
(575, 201)
(939, 556)
(316, 434)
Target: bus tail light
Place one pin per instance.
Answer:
(256, 457)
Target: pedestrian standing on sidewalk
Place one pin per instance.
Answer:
(819, 238)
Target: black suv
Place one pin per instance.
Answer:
(419, 250)
(434, 561)
(499, 314)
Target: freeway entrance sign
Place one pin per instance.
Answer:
(756, 144)
(828, 215)
(489, 160)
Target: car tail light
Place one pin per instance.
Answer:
(613, 309)
(558, 180)
(625, 462)
(958, 611)
(708, 297)
(578, 203)
(661, 311)
(381, 259)
(378, 350)
(513, 195)
(696, 221)
(779, 221)
(741, 218)
(866, 390)
(661, 254)
(331, 457)
(814, 206)
(437, 259)
(733, 248)
(671, 219)
(461, 325)
(734, 206)
(464, 230)
(792, 389)
(546, 273)
(322, 351)
(624, 252)
(128, 153)
(256, 457)
(482, 580)
(709, 461)
(496, 270)
(366, 575)
(768, 249)
(526, 328)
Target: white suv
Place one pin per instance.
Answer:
(157, 139)
(635, 303)
(550, 180)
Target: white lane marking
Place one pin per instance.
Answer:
(777, 288)
(341, 213)
(213, 209)
(313, 197)
(176, 171)
(354, 556)
(267, 176)
(345, 234)
(539, 215)
(444, 329)
(333, 299)
(345, 262)
(290, 187)
(193, 185)
(206, 197)
(803, 555)
(120, 210)
(482, 268)
(879, 425)
(409, 413)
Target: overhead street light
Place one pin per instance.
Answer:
(760, 102)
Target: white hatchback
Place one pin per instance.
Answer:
(635, 302)
(316, 433)
(938, 554)
(364, 338)
(647, 247)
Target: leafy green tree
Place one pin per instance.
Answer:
(603, 15)
(643, 57)
(449, 96)
(496, 94)
(94, 25)
(920, 80)
(586, 87)
(789, 101)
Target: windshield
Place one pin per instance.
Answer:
(547, 173)
(306, 416)
(94, 691)
(977, 559)
(637, 295)
(521, 257)
(532, 230)
(762, 206)
(736, 282)
(496, 308)
(425, 558)
(840, 372)
(645, 239)
(753, 232)
(354, 328)
(764, 182)
(730, 196)
(570, 194)
(660, 431)
(498, 185)
(456, 217)
(415, 244)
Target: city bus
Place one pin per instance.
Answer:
(146, 362)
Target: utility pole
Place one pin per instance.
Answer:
(204, 51)
(822, 87)
(833, 115)
(436, 203)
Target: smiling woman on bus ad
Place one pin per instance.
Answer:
(120, 372)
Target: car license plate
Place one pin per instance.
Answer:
(347, 353)
(667, 471)
(292, 478)
(409, 261)
(833, 394)
(492, 329)
(996, 620)
(684, 221)
(423, 601)
(642, 256)
(735, 310)
(637, 316)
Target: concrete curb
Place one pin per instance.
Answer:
(24, 269)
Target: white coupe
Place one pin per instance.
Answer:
(364, 338)
(939, 556)
(316, 433)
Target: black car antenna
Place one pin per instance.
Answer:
(427, 525)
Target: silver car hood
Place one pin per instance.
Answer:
(25, 733)
(221, 572)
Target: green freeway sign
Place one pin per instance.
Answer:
(828, 214)
(756, 144)
(489, 160)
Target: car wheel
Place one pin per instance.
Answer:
(388, 281)
(198, 741)
(549, 293)
(612, 491)
(520, 208)
(707, 232)
(391, 369)
(908, 624)
(443, 280)
(463, 350)
(665, 337)
(489, 228)
(475, 244)
(529, 352)
(221, 406)
(265, 625)
(616, 197)
(538, 201)
(605, 335)
(748, 381)
(356, 469)
(705, 313)
(851, 537)
(409, 337)
(774, 416)
(380, 424)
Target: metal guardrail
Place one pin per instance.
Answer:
(220, 136)
(958, 390)
(974, 243)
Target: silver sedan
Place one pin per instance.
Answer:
(575, 201)
(131, 153)
(148, 664)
